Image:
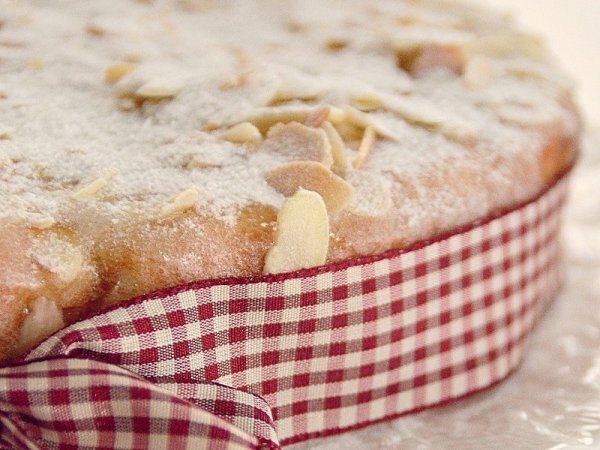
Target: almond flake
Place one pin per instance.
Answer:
(290, 177)
(459, 131)
(365, 147)
(240, 80)
(316, 118)
(95, 30)
(524, 69)
(366, 101)
(43, 319)
(364, 120)
(479, 71)
(508, 44)
(414, 111)
(299, 142)
(42, 223)
(372, 194)
(5, 135)
(336, 44)
(302, 239)
(5, 160)
(159, 89)
(265, 118)
(115, 72)
(406, 50)
(12, 43)
(59, 257)
(36, 63)
(197, 163)
(184, 201)
(438, 55)
(109, 172)
(527, 116)
(243, 133)
(287, 94)
(89, 190)
(338, 149)
(336, 115)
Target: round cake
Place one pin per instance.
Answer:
(147, 144)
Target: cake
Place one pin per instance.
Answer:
(148, 144)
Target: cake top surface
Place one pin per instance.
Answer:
(143, 107)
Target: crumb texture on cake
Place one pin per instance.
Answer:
(145, 144)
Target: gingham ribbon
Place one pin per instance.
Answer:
(256, 363)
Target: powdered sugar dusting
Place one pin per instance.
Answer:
(214, 64)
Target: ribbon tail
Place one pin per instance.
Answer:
(81, 403)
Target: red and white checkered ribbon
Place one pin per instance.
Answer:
(257, 363)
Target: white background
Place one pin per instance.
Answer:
(572, 29)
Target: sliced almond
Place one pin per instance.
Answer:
(184, 201)
(407, 51)
(95, 30)
(366, 144)
(479, 71)
(350, 133)
(366, 101)
(338, 149)
(5, 160)
(336, 115)
(5, 135)
(42, 223)
(37, 64)
(364, 120)
(133, 58)
(237, 81)
(336, 44)
(198, 163)
(316, 118)
(459, 131)
(265, 118)
(116, 71)
(109, 172)
(528, 116)
(524, 69)
(210, 126)
(418, 54)
(288, 178)
(372, 194)
(302, 239)
(59, 257)
(159, 89)
(43, 319)
(439, 55)
(243, 133)
(12, 43)
(414, 111)
(508, 44)
(90, 189)
(299, 143)
(289, 93)
(294, 85)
